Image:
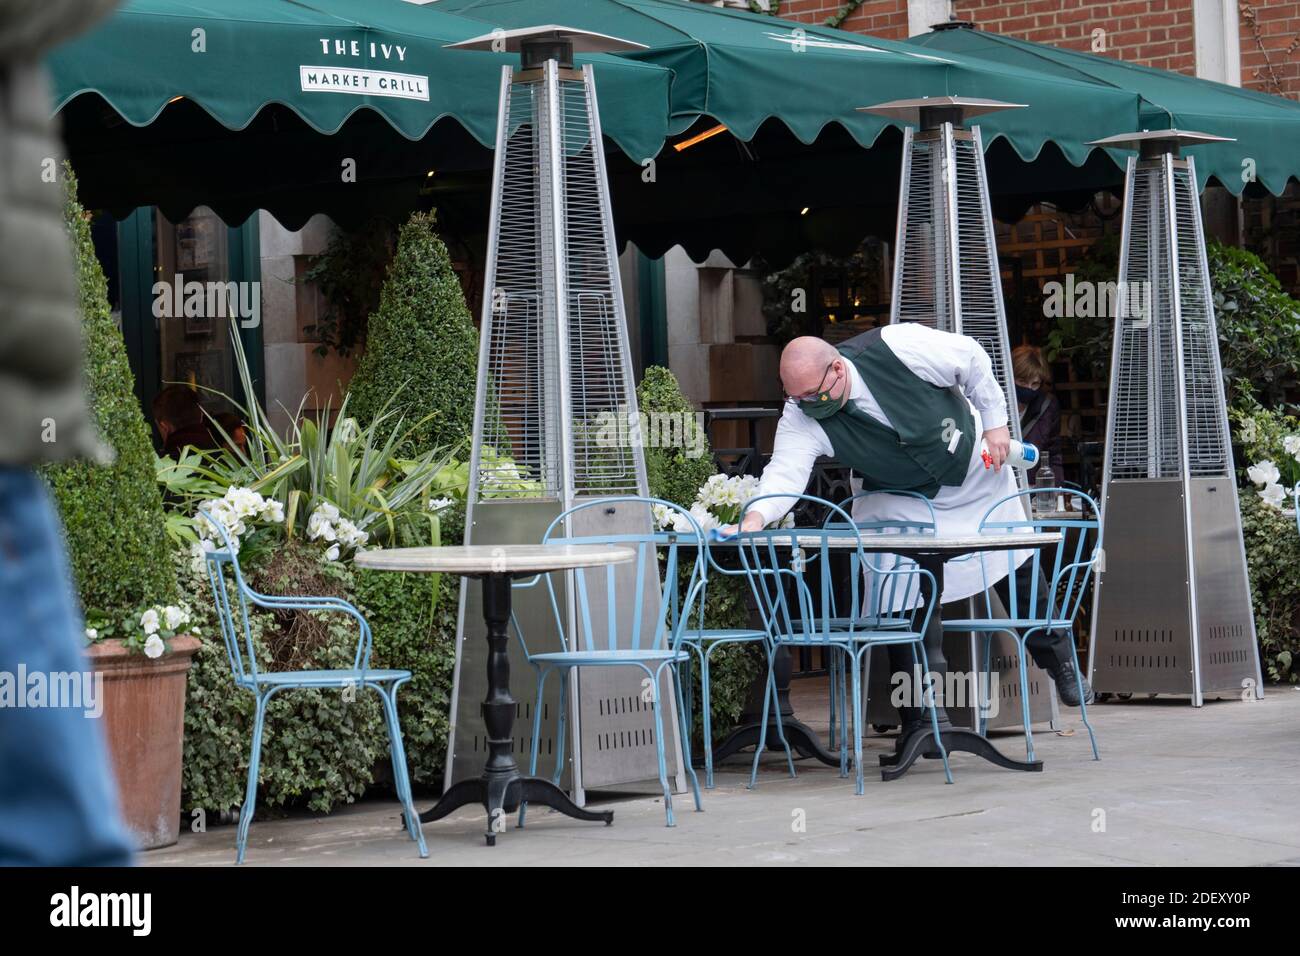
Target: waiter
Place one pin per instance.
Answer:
(905, 407)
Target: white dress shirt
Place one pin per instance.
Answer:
(940, 358)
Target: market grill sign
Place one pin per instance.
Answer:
(363, 82)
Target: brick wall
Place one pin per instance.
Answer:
(886, 19)
(1270, 47)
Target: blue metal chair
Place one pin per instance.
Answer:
(798, 617)
(265, 685)
(1030, 612)
(838, 697)
(703, 642)
(1295, 503)
(654, 653)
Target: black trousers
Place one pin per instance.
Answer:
(1048, 649)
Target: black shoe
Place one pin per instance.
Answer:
(1067, 685)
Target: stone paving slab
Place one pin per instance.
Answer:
(1175, 786)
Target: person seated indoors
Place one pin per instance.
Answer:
(181, 421)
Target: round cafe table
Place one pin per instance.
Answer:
(501, 788)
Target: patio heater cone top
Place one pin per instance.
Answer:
(549, 42)
(1155, 142)
(930, 112)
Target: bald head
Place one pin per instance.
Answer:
(806, 365)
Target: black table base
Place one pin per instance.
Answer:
(802, 738)
(502, 788)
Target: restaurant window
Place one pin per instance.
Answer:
(181, 287)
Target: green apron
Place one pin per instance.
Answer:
(933, 433)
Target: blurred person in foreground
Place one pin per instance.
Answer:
(58, 801)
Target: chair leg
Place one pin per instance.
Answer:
(655, 706)
(780, 723)
(832, 699)
(1023, 652)
(561, 739)
(1083, 704)
(988, 683)
(250, 792)
(542, 674)
(686, 736)
(706, 715)
(932, 701)
(842, 657)
(857, 719)
(401, 777)
(762, 725)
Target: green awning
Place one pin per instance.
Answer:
(1266, 128)
(743, 69)
(324, 60)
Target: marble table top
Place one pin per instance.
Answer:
(494, 558)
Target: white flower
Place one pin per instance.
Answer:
(333, 553)
(1274, 494)
(437, 504)
(1263, 473)
(92, 634)
(319, 525)
(274, 511)
(1249, 431)
(703, 517)
(149, 621)
(1292, 445)
(663, 515)
(154, 647)
(174, 617)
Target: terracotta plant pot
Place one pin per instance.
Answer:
(144, 720)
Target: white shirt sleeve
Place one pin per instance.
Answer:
(946, 359)
(800, 441)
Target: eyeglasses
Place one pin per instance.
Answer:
(808, 396)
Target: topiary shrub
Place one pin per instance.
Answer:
(422, 342)
(112, 515)
(671, 471)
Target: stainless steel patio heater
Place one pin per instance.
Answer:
(946, 276)
(555, 418)
(945, 257)
(1172, 612)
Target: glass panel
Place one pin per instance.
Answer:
(191, 259)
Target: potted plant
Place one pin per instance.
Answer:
(144, 660)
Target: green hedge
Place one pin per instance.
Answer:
(421, 345)
(113, 515)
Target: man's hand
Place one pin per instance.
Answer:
(999, 445)
(753, 521)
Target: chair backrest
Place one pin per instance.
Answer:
(917, 525)
(798, 609)
(1059, 575)
(242, 655)
(630, 606)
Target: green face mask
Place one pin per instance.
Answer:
(823, 406)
